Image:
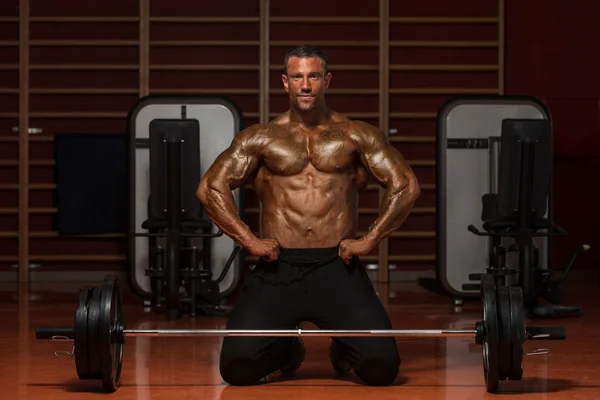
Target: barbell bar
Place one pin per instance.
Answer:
(99, 333)
(64, 333)
(300, 332)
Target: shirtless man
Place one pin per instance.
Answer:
(308, 167)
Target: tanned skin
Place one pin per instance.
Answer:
(308, 167)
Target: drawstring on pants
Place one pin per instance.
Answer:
(313, 262)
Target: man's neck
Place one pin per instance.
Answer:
(311, 118)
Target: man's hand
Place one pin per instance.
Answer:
(354, 247)
(266, 248)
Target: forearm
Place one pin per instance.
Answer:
(395, 208)
(222, 210)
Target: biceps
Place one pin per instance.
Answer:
(388, 167)
(231, 169)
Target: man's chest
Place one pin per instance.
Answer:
(326, 150)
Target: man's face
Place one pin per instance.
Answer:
(306, 82)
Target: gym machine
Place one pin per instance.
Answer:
(180, 237)
(517, 212)
(469, 153)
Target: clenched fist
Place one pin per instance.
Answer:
(266, 248)
(353, 247)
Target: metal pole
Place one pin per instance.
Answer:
(299, 332)
(173, 152)
(494, 163)
(24, 150)
(525, 240)
(265, 60)
(383, 251)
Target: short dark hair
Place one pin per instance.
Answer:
(304, 51)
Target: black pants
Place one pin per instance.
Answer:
(312, 285)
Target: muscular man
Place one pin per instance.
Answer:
(308, 167)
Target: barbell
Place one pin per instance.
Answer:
(99, 333)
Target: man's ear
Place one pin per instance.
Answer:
(286, 85)
(327, 80)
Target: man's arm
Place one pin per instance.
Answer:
(229, 171)
(390, 169)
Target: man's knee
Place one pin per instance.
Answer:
(238, 361)
(247, 360)
(379, 369)
(239, 371)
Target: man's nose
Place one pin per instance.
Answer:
(305, 85)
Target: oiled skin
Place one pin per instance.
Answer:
(308, 167)
(309, 182)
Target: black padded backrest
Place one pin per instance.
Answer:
(514, 133)
(188, 131)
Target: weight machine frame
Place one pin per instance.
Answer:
(180, 107)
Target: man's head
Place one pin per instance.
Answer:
(305, 77)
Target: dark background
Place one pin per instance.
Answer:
(550, 51)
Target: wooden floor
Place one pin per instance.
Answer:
(173, 368)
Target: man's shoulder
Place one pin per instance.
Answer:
(282, 121)
(255, 131)
(259, 136)
(361, 130)
(251, 139)
(349, 125)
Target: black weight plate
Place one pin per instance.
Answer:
(504, 326)
(517, 331)
(117, 333)
(119, 321)
(111, 353)
(489, 348)
(80, 340)
(93, 330)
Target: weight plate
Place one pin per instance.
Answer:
(80, 340)
(517, 332)
(93, 331)
(489, 347)
(504, 333)
(117, 334)
(111, 352)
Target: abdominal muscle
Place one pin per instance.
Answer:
(312, 209)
